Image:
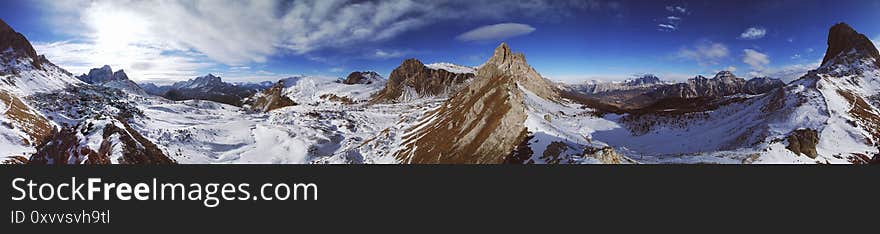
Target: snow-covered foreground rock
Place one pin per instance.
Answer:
(208, 132)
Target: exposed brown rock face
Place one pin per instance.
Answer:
(270, 99)
(864, 114)
(366, 77)
(412, 79)
(803, 141)
(842, 39)
(515, 64)
(482, 123)
(65, 147)
(9, 38)
(27, 119)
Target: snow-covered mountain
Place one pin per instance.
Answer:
(454, 68)
(52, 117)
(501, 112)
(208, 87)
(648, 91)
(105, 76)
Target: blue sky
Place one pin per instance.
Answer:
(564, 40)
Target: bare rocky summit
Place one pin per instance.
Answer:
(413, 80)
(482, 123)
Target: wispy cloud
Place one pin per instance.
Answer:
(677, 9)
(237, 33)
(789, 72)
(671, 22)
(704, 52)
(667, 27)
(140, 63)
(496, 32)
(757, 60)
(383, 54)
(753, 33)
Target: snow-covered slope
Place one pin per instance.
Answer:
(454, 68)
(315, 90)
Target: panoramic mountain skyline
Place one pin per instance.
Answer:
(566, 40)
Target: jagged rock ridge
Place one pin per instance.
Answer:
(482, 123)
(413, 80)
(362, 77)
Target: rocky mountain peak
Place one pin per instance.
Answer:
(365, 77)
(412, 62)
(102, 75)
(843, 40)
(210, 78)
(414, 80)
(120, 75)
(12, 40)
(726, 76)
(647, 79)
(506, 62)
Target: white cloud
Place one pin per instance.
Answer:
(705, 53)
(679, 9)
(237, 33)
(496, 32)
(667, 27)
(383, 54)
(671, 23)
(730, 68)
(757, 60)
(140, 63)
(790, 72)
(753, 33)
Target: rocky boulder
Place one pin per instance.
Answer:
(803, 141)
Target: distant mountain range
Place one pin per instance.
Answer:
(208, 87)
(503, 111)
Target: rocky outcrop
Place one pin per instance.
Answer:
(803, 141)
(843, 40)
(105, 76)
(482, 123)
(365, 77)
(20, 46)
(413, 80)
(120, 143)
(269, 99)
(28, 120)
(605, 155)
